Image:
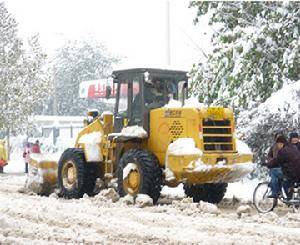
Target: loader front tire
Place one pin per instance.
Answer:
(75, 175)
(143, 174)
(212, 193)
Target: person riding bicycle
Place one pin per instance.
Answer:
(288, 158)
(275, 173)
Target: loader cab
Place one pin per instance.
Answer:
(141, 90)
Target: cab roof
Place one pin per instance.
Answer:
(153, 72)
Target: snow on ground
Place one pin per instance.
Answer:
(16, 164)
(32, 219)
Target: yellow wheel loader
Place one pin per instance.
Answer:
(154, 138)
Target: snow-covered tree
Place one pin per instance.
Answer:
(79, 61)
(23, 81)
(256, 51)
(279, 113)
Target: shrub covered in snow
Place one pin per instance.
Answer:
(279, 113)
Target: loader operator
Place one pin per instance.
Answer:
(153, 97)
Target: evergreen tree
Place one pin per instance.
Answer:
(79, 61)
(256, 51)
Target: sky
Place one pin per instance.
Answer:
(134, 30)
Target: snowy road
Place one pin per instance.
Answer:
(30, 219)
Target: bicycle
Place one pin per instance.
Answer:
(265, 204)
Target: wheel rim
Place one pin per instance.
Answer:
(262, 203)
(132, 182)
(69, 175)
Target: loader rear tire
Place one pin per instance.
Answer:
(212, 193)
(75, 175)
(147, 173)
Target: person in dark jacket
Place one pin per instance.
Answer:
(275, 173)
(288, 159)
(294, 139)
(273, 151)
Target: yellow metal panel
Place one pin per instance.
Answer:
(167, 125)
(95, 126)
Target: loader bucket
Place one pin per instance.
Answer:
(209, 168)
(42, 175)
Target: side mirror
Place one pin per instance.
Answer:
(184, 92)
(93, 114)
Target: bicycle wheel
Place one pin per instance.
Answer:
(262, 203)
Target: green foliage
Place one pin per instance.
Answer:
(256, 50)
(79, 61)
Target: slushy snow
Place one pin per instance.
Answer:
(32, 219)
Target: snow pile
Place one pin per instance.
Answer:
(134, 131)
(180, 147)
(99, 185)
(108, 195)
(53, 195)
(35, 181)
(199, 166)
(193, 102)
(106, 113)
(173, 104)
(184, 146)
(15, 165)
(188, 207)
(3, 223)
(242, 190)
(131, 131)
(129, 167)
(173, 192)
(242, 147)
(286, 100)
(169, 175)
(127, 200)
(243, 209)
(92, 148)
(91, 138)
(143, 200)
(188, 103)
(208, 208)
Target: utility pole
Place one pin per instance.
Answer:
(168, 47)
(54, 109)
